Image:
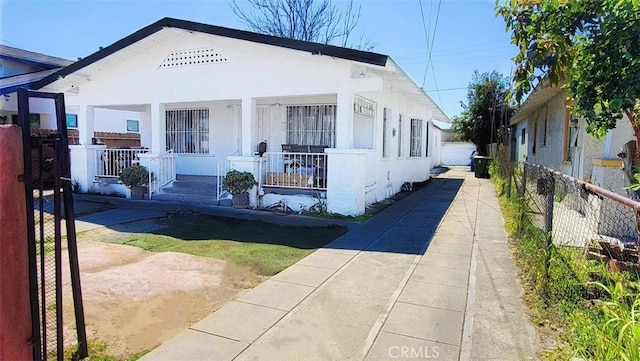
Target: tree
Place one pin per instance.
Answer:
(483, 120)
(591, 47)
(309, 20)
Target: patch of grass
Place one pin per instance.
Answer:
(139, 355)
(97, 350)
(49, 246)
(265, 248)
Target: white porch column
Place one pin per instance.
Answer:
(158, 128)
(84, 165)
(145, 128)
(344, 120)
(247, 126)
(86, 117)
(346, 181)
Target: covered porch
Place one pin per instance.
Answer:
(209, 138)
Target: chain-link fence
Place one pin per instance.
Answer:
(570, 212)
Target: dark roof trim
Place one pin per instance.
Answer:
(32, 58)
(314, 48)
(39, 64)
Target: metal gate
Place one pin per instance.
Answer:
(48, 184)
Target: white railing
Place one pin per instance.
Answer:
(111, 161)
(295, 170)
(162, 171)
(223, 167)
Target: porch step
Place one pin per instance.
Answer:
(184, 198)
(189, 189)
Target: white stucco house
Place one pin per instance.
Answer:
(345, 126)
(545, 132)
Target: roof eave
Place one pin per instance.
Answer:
(314, 48)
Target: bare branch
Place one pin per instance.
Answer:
(309, 20)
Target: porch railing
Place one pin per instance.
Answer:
(223, 167)
(162, 171)
(295, 170)
(111, 161)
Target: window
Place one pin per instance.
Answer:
(133, 126)
(386, 117)
(72, 121)
(311, 125)
(426, 151)
(415, 148)
(523, 136)
(400, 135)
(34, 119)
(570, 135)
(364, 107)
(188, 130)
(535, 136)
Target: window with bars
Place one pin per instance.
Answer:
(386, 117)
(188, 130)
(311, 125)
(415, 149)
(426, 140)
(364, 107)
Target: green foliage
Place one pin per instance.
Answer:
(597, 311)
(635, 181)
(592, 47)
(98, 352)
(488, 107)
(619, 337)
(136, 176)
(236, 182)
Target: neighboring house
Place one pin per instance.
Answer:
(544, 132)
(21, 68)
(344, 126)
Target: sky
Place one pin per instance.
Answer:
(463, 35)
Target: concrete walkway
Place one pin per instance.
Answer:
(429, 277)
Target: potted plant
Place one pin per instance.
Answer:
(238, 184)
(136, 178)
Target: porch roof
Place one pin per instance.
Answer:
(314, 48)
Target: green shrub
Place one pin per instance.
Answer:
(236, 182)
(135, 176)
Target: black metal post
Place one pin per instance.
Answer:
(69, 216)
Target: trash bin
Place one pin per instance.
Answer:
(481, 165)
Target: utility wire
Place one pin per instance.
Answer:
(426, 53)
(430, 62)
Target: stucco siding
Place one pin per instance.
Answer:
(549, 142)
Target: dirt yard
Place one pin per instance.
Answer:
(135, 299)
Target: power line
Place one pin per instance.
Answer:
(430, 62)
(447, 89)
(426, 35)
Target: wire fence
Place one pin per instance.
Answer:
(570, 212)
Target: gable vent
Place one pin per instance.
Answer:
(190, 57)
